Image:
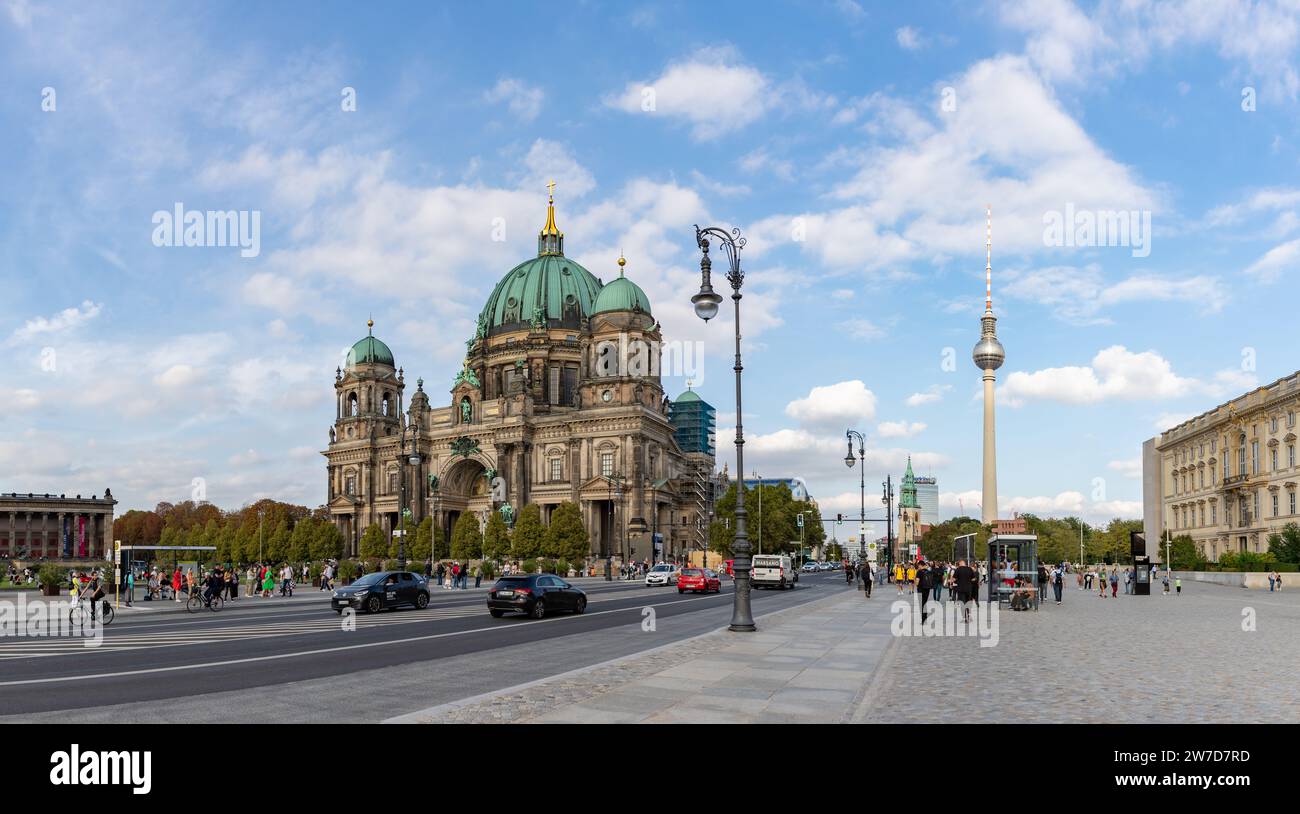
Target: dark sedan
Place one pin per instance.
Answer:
(383, 589)
(535, 595)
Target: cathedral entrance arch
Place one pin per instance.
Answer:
(464, 488)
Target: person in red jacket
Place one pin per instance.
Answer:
(176, 584)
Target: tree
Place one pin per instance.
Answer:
(373, 545)
(304, 531)
(327, 543)
(466, 541)
(529, 538)
(1182, 553)
(496, 539)
(422, 541)
(938, 541)
(567, 538)
(441, 550)
(1286, 546)
(277, 543)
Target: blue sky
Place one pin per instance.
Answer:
(855, 144)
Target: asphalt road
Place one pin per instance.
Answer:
(277, 659)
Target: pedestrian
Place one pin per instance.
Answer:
(1165, 580)
(1178, 585)
(268, 583)
(1278, 576)
(967, 583)
(478, 575)
(438, 572)
(866, 578)
(1270, 582)
(1114, 582)
(176, 584)
(911, 578)
(1058, 582)
(899, 574)
(130, 586)
(923, 582)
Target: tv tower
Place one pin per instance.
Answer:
(989, 356)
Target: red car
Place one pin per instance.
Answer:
(698, 579)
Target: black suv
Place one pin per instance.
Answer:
(382, 589)
(535, 595)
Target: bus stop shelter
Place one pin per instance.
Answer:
(1012, 565)
(122, 559)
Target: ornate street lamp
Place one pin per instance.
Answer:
(403, 512)
(862, 482)
(706, 308)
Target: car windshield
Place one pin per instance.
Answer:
(370, 579)
(662, 568)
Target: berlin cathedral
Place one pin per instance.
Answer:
(548, 407)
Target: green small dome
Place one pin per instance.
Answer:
(369, 350)
(621, 294)
(689, 395)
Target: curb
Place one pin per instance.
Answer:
(422, 716)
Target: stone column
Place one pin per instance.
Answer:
(107, 519)
(62, 515)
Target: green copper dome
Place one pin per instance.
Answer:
(549, 291)
(621, 294)
(550, 287)
(689, 395)
(369, 350)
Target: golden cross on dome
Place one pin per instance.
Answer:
(551, 187)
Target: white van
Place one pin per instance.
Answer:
(773, 571)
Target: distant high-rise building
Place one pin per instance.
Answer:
(927, 496)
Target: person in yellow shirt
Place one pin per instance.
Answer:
(899, 574)
(911, 578)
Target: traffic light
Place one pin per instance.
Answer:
(839, 517)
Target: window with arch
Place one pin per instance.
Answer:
(557, 468)
(352, 403)
(384, 406)
(606, 464)
(350, 484)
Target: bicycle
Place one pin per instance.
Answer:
(197, 601)
(79, 614)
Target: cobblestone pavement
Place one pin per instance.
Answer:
(1160, 659)
(806, 663)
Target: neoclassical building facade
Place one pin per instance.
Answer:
(1228, 477)
(36, 526)
(559, 399)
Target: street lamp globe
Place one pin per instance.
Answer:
(848, 460)
(706, 302)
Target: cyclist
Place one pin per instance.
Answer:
(213, 586)
(93, 591)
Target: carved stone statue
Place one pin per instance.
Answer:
(508, 514)
(466, 410)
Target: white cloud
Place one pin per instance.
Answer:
(932, 394)
(1079, 295)
(712, 89)
(899, 429)
(523, 100)
(862, 329)
(1115, 374)
(66, 320)
(909, 39)
(1260, 39)
(1279, 259)
(909, 196)
(843, 404)
(1128, 467)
